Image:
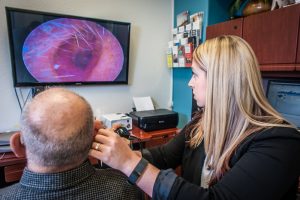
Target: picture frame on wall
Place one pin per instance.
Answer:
(182, 18)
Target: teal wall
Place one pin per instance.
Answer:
(218, 11)
(182, 94)
(214, 11)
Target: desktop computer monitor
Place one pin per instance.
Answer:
(284, 96)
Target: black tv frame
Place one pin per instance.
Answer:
(56, 15)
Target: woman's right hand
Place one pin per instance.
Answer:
(138, 153)
(114, 151)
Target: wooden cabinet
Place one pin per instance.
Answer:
(298, 51)
(153, 138)
(11, 168)
(233, 27)
(274, 37)
(158, 141)
(13, 172)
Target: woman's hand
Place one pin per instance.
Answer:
(138, 153)
(114, 151)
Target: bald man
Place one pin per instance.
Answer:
(56, 136)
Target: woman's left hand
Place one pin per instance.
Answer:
(114, 151)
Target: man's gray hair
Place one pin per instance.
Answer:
(43, 147)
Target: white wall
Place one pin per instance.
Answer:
(151, 22)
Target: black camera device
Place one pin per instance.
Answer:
(123, 132)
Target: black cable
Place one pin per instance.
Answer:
(20, 92)
(130, 144)
(141, 146)
(30, 91)
(18, 99)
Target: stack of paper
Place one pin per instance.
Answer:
(143, 103)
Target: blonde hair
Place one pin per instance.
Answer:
(236, 106)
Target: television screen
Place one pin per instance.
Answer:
(53, 49)
(284, 96)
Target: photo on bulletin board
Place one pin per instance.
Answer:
(182, 18)
(196, 17)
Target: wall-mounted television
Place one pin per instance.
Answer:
(55, 49)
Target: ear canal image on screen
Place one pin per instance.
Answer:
(72, 50)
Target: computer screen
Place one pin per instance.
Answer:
(284, 96)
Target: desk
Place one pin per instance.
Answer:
(11, 167)
(153, 138)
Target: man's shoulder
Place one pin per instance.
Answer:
(110, 175)
(10, 192)
(115, 183)
(109, 171)
(103, 184)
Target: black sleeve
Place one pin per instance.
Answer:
(168, 155)
(268, 169)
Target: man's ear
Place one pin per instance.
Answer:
(17, 145)
(97, 125)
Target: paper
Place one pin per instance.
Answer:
(143, 103)
(5, 137)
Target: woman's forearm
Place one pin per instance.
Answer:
(147, 179)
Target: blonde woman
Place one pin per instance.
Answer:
(237, 147)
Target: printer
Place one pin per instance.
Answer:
(151, 120)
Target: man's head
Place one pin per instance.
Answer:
(56, 129)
